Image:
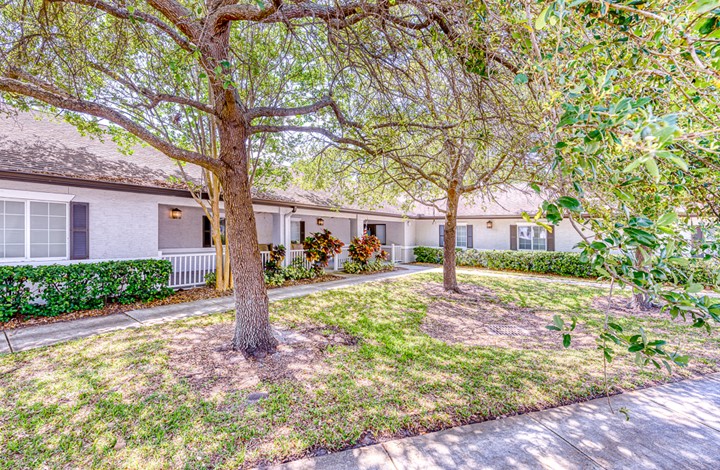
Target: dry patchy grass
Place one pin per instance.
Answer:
(359, 367)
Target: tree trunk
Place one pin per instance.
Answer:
(253, 334)
(221, 283)
(449, 274)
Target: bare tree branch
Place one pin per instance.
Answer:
(124, 13)
(64, 101)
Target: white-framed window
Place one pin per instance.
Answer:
(33, 230)
(461, 236)
(295, 231)
(531, 238)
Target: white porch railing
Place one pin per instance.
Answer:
(190, 268)
(292, 255)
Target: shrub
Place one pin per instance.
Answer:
(354, 267)
(425, 254)
(361, 250)
(553, 262)
(541, 262)
(297, 270)
(274, 279)
(211, 279)
(320, 247)
(55, 289)
(277, 255)
(15, 294)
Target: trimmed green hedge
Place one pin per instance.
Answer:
(549, 262)
(55, 289)
(542, 262)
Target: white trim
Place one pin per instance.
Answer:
(27, 229)
(35, 196)
(531, 225)
(457, 233)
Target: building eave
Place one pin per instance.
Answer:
(136, 188)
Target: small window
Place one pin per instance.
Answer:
(379, 230)
(207, 232)
(532, 238)
(295, 236)
(12, 229)
(48, 230)
(461, 236)
(33, 230)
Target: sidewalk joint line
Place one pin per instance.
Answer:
(392, 461)
(7, 338)
(127, 314)
(568, 442)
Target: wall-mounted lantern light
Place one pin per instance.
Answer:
(489, 224)
(176, 214)
(320, 221)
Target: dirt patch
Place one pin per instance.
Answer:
(620, 307)
(468, 293)
(314, 280)
(203, 356)
(476, 317)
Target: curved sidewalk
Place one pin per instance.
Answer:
(31, 337)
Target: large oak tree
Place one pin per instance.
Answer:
(127, 63)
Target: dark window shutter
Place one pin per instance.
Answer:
(513, 237)
(551, 239)
(79, 230)
(441, 241)
(469, 236)
(207, 232)
(302, 231)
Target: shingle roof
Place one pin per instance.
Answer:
(38, 143)
(42, 144)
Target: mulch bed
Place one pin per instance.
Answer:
(476, 317)
(314, 280)
(204, 358)
(620, 307)
(179, 297)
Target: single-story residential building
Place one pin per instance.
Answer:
(65, 197)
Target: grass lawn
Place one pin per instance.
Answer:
(366, 369)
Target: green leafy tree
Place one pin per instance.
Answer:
(128, 64)
(448, 120)
(631, 99)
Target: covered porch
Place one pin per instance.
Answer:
(184, 236)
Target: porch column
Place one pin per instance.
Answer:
(278, 236)
(357, 226)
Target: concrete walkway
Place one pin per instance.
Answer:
(671, 427)
(22, 339)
